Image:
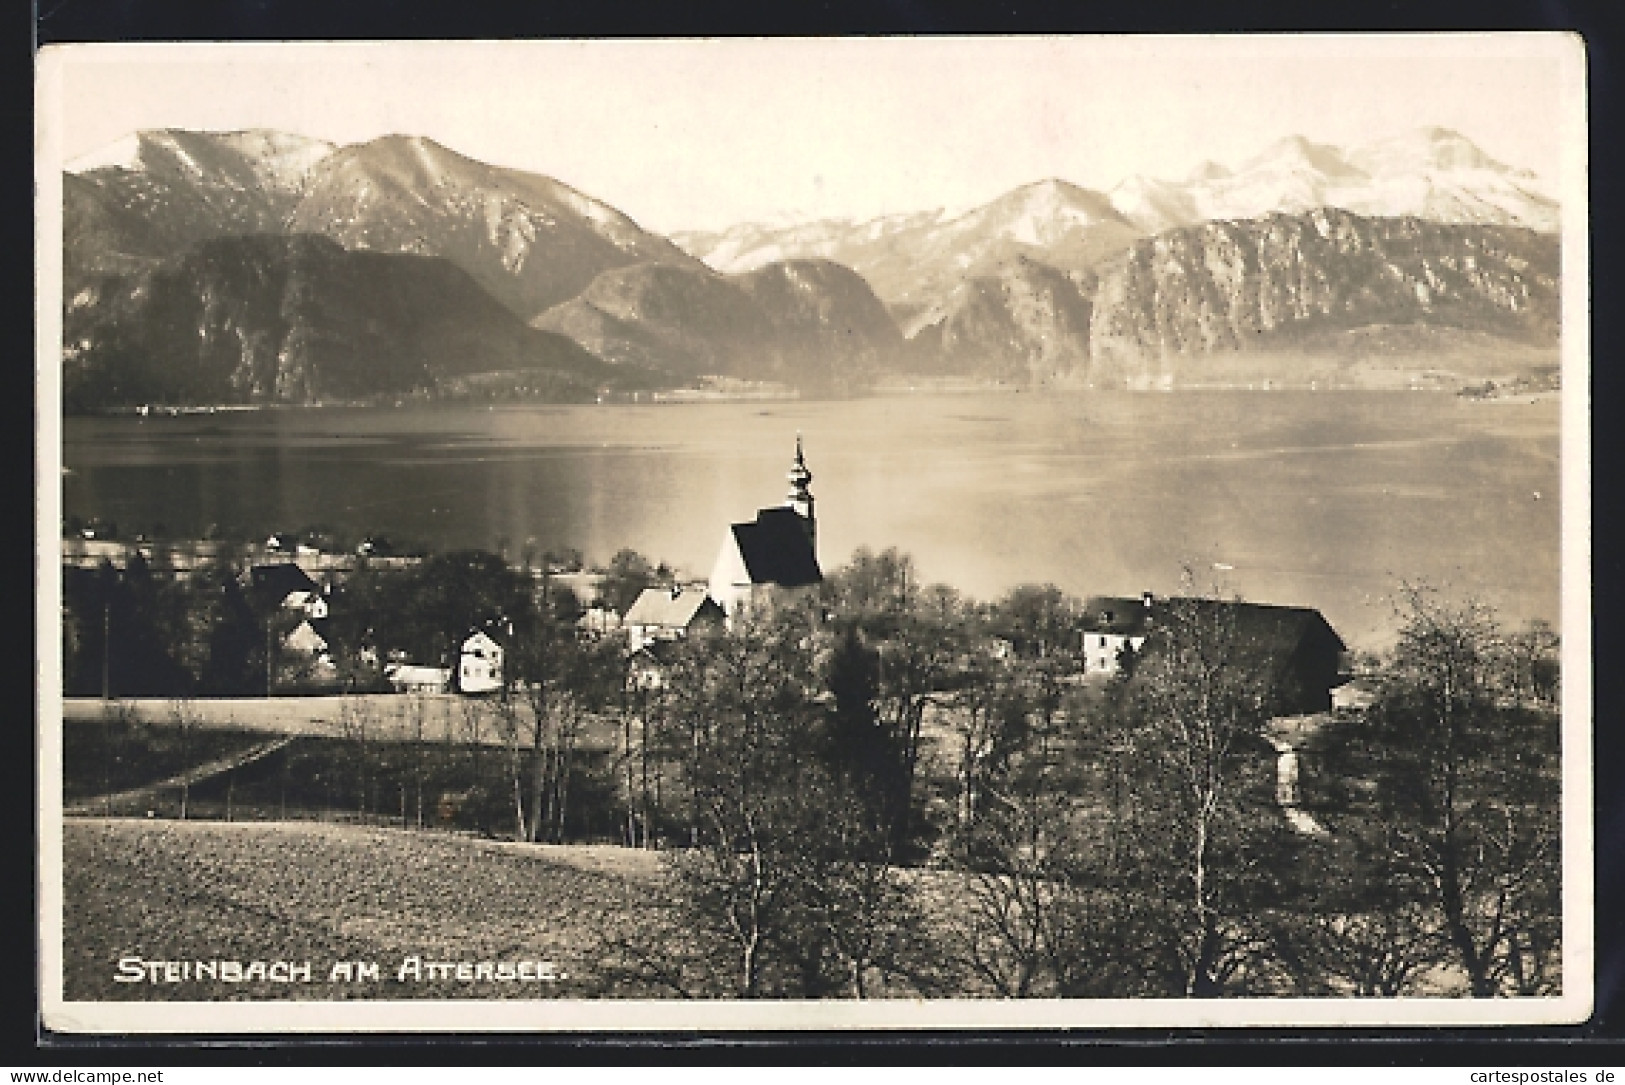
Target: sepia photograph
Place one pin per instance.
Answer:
(1003, 532)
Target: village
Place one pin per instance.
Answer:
(293, 583)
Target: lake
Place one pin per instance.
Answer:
(1320, 499)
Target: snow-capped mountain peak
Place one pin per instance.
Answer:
(1422, 150)
(1430, 172)
(276, 160)
(123, 153)
(1040, 213)
(1153, 205)
(1297, 154)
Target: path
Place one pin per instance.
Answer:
(1287, 733)
(202, 772)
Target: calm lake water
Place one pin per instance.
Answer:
(1320, 499)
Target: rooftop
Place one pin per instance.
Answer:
(672, 608)
(1262, 624)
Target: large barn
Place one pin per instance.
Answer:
(1295, 646)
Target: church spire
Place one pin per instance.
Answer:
(800, 478)
(801, 498)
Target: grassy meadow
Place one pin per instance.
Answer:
(600, 915)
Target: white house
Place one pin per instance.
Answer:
(778, 550)
(480, 664)
(1111, 624)
(405, 678)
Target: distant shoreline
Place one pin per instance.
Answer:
(887, 389)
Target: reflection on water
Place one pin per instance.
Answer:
(1327, 500)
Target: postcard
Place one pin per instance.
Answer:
(935, 532)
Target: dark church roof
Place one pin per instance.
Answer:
(776, 549)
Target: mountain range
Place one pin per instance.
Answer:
(1431, 173)
(269, 267)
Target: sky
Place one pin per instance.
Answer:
(701, 134)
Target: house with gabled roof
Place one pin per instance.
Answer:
(1294, 646)
(669, 613)
(481, 662)
(775, 552)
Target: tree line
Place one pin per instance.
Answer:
(145, 631)
(839, 768)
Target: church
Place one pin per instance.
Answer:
(775, 552)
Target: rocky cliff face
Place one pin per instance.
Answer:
(915, 261)
(1029, 324)
(297, 319)
(1227, 287)
(1049, 282)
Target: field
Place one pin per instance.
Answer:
(173, 891)
(388, 716)
(120, 768)
(596, 916)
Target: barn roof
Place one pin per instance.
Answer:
(776, 549)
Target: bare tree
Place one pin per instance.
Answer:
(1467, 779)
(358, 723)
(1201, 781)
(789, 877)
(184, 718)
(990, 721)
(510, 727)
(417, 715)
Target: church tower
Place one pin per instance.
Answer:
(801, 499)
(776, 552)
